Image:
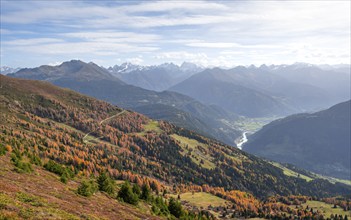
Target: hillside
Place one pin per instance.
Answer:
(41, 195)
(85, 136)
(319, 142)
(56, 120)
(89, 79)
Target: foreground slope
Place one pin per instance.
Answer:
(41, 195)
(72, 129)
(319, 142)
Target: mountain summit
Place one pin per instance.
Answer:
(74, 69)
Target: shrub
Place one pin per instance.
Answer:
(87, 188)
(145, 192)
(106, 184)
(175, 208)
(21, 167)
(64, 172)
(159, 207)
(2, 149)
(136, 190)
(126, 194)
(34, 159)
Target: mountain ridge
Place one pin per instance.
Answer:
(212, 87)
(319, 141)
(155, 77)
(113, 90)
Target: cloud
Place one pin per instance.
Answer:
(32, 42)
(7, 31)
(213, 44)
(184, 6)
(206, 32)
(114, 36)
(180, 55)
(71, 48)
(136, 60)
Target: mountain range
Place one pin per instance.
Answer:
(212, 99)
(333, 79)
(214, 86)
(157, 78)
(265, 91)
(4, 70)
(90, 79)
(319, 142)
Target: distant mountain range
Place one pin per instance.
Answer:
(319, 142)
(92, 80)
(268, 90)
(157, 78)
(334, 79)
(215, 86)
(4, 70)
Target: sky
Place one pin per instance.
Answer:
(208, 33)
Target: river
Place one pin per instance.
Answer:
(242, 140)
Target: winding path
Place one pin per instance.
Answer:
(106, 119)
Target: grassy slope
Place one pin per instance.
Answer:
(193, 148)
(41, 195)
(325, 208)
(202, 199)
(289, 172)
(152, 126)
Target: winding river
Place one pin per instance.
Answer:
(242, 140)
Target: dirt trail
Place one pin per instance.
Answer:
(106, 119)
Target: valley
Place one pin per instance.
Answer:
(50, 123)
(175, 110)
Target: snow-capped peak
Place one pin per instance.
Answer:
(190, 67)
(7, 70)
(125, 68)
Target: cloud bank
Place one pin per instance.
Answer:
(209, 33)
